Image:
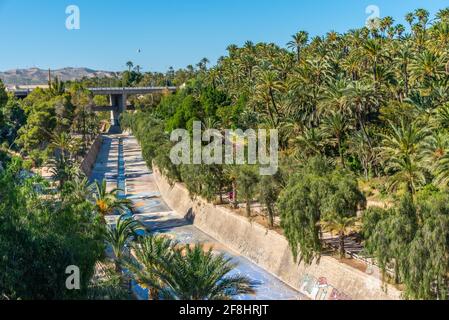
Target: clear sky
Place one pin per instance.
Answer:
(169, 32)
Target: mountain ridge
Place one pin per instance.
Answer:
(37, 76)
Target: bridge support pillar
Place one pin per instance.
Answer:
(118, 103)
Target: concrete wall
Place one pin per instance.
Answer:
(89, 160)
(328, 280)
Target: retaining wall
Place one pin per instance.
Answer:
(89, 160)
(328, 280)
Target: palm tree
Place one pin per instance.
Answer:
(61, 142)
(335, 98)
(423, 17)
(195, 274)
(62, 170)
(310, 143)
(441, 170)
(107, 284)
(368, 157)
(408, 172)
(152, 255)
(335, 125)
(107, 202)
(404, 58)
(57, 87)
(138, 68)
(361, 98)
(130, 65)
(386, 23)
(443, 15)
(119, 236)
(427, 67)
(435, 147)
(247, 186)
(373, 52)
(341, 225)
(79, 189)
(299, 41)
(267, 87)
(410, 18)
(400, 29)
(403, 153)
(202, 65)
(436, 157)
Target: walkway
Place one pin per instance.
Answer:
(157, 217)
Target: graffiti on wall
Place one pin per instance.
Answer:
(320, 289)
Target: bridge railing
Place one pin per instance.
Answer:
(133, 89)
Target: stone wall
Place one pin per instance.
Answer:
(328, 280)
(89, 160)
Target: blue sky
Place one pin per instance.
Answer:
(169, 33)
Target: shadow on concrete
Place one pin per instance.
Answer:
(164, 226)
(115, 130)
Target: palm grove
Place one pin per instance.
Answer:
(363, 119)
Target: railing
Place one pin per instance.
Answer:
(133, 89)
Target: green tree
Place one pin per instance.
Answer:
(3, 95)
(40, 237)
(269, 190)
(247, 186)
(340, 206)
(300, 206)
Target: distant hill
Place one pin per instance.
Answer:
(35, 76)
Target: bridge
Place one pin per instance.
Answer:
(118, 98)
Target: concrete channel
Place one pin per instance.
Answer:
(120, 162)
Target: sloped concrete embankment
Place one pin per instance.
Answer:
(89, 160)
(327, 280)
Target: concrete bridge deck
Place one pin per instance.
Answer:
(117, 95)
(131, 90)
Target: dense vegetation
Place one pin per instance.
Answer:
(363, 121)
(361, 116)
(47, 226)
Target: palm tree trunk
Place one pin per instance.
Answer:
(270, 112)
(406, 84)
(271, 216)
(342, 245)
(274, 102)
(396, 273)
(118, 269)
(153, 294)
(340, 151)
(234, 194)
(248, 208)
(362, 126)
